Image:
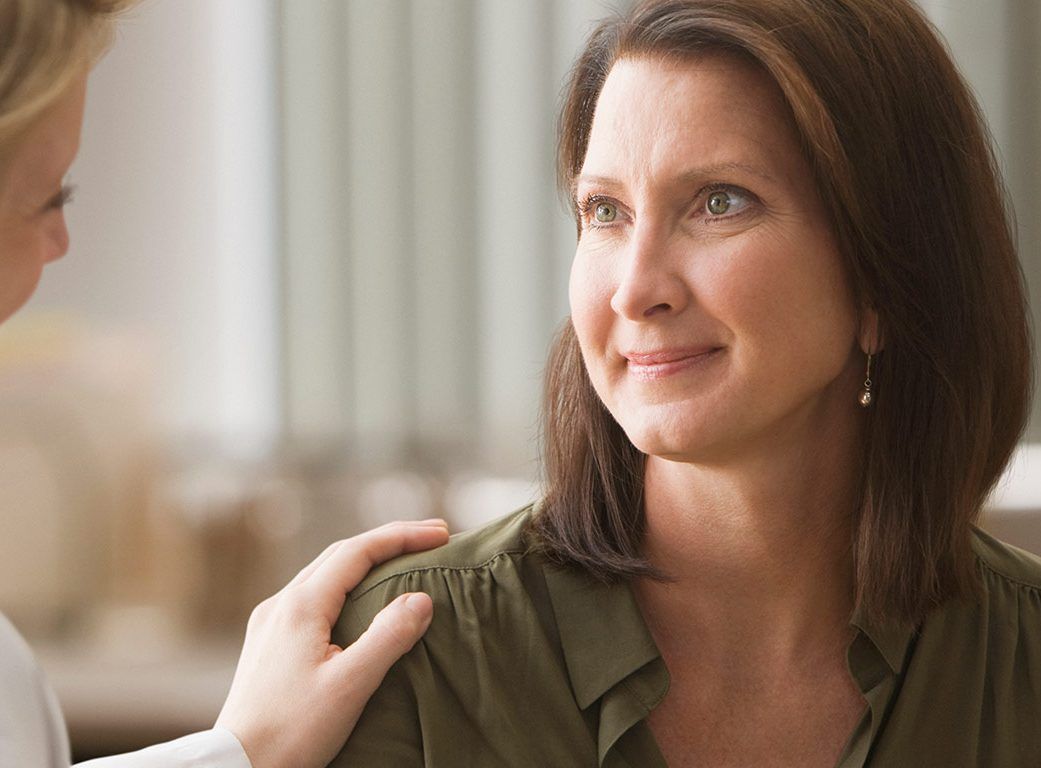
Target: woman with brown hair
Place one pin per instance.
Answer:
(797, 361)
(295, 696)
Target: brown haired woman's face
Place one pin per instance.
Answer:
(707, 292)
(32, 223)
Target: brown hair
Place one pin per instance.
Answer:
(904, 166)
(44, 46)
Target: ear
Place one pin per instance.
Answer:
(870, 334)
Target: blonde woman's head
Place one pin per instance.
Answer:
(46, 50)
(45, 46)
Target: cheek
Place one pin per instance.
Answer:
(18, 279)
(24, 250)
(822, 301)
(792, 305)
(589, 295)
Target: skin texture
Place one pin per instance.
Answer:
(705, 245)
(295, 697)
(32, 223)
(763, 282)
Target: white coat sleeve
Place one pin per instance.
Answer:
(216, 748)
(32, 730)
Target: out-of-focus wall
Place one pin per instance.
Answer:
(426, 248)
(175, 221)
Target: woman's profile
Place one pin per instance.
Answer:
(797, 361)
(295, 697)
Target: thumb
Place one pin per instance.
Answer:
(391, 635)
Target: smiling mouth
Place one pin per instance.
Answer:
(659, 364)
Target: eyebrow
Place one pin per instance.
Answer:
(700, 173)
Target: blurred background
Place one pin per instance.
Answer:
(317, 261)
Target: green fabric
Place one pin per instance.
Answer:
(528, 664)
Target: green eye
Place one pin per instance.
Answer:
(718, 203)
(605, 213)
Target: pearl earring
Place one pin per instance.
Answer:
(865, 394)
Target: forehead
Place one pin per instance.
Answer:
(654, 115)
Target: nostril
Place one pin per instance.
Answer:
(656, 309)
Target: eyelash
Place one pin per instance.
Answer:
(63, 198)
(711, 189)
(589, 203)
(586, 205)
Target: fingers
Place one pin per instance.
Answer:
(340, 571)
(308, 569)
(391, 635)
(361, 539)
(289, 667)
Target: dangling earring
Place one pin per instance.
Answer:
(865, 394)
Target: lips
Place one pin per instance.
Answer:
(659, 363)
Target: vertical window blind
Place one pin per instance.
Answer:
(426, 248)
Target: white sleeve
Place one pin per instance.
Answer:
(32, 731)
(217, 748)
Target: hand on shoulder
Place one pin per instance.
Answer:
(296, 696)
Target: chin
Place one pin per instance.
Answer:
(15, 298)
(684, 434)
(667, 441)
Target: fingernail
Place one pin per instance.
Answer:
(420, 604)
(432, 521)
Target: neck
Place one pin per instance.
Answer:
(757, 550)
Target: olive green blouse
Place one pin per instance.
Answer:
(529, 664)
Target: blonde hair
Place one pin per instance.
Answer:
(44, 46)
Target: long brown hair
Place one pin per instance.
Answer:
(903, 162)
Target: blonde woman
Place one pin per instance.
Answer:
(295, 696)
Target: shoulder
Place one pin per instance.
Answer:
(973, 679)
(1008, 613)
(472, 550)
(462, 577)
(488, 682)
(1004, 565)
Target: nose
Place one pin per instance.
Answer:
(649, 283)
(59, 241)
